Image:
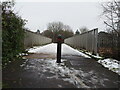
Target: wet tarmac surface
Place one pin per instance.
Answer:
(94, 74)
(73, 72)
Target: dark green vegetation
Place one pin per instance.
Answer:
(12, 33)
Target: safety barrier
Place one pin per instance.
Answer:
(34, 39)
(87, 40)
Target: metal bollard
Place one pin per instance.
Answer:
(59, 42)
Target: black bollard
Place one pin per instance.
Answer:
(59, 42)
(58, 52)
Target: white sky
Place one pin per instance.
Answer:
(74, 13)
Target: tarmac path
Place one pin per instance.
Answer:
(42, 71)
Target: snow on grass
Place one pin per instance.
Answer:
(52, 49)
(111, 64)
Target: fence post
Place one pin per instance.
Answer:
(96, 41)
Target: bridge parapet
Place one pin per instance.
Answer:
(87, 41)
(34, 39)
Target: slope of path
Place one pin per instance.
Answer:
(52, 49)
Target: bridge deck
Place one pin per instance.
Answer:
(40, 70)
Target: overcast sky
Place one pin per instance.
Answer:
(74, 14)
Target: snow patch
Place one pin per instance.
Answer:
(95, 56)
(111, 64)
(64, 71)
(52, 49)
(60, 86)
(23, 54)
(59, 70)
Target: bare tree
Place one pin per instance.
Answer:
(83, 29)
(55, 27)
(67, 28)
(59, 28)
(111, 12)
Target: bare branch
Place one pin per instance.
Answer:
(111, 27)
(116, 3)
(108, 17)
(111, 11)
